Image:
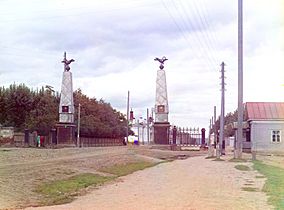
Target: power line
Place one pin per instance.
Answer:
(206, 27)
(198, 41)
(205, 11)
(175, 22)
(198, 26)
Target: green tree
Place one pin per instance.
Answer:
(229, 119)
(98, 118)
(44, 114)
(22, 108)
(18, 105)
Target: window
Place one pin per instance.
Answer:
(275, 136)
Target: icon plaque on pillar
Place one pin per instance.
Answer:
(65, 109)
(161, 108)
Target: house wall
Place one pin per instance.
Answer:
(261, 136)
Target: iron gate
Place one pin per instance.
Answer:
(185, 136)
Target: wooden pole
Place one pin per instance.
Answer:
(221, 139)
(148, 128)
(240, 79)
(127, 116)
(78, 127)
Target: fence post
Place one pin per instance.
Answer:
(26, 142)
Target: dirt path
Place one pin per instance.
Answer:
(194, 183)
(22, 170)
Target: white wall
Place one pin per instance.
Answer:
(261, 136)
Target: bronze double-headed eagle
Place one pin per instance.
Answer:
(66, 62)
(161, 60)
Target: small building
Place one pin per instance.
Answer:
(6, 135)
(265, 126)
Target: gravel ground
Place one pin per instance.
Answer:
(193, 183)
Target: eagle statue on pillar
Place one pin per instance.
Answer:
(161, 61)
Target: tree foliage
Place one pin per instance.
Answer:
(229, 119)
(98, 118)
(24, 108)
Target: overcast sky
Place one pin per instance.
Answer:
(114, 44)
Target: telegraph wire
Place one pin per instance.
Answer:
(180, 28)
(201, 29)
(202, 47)
(204, 16)
(175, 22)
(208, 39)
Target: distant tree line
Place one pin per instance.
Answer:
(229, 119)
(37, 110)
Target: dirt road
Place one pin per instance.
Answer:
(23, 169)
(194, 183)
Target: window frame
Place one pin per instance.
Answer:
(277, 135)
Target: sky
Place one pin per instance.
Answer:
(114, 44)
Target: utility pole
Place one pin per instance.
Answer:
(221, 139)
(152, 127)
(78, 127)
(138, 130)
(127, 116)
(240, 79)
(215, 132)
(143, 133)
(148, 131)
(209, 134)
(210, 153)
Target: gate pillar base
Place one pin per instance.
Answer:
(161, 132)
(65, 134)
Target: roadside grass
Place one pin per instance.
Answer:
(216, 159)
(128, 168)
(274, 185)
(5, 150)
(237, 160)
(64, 191)
(260, 177)
(242, 167)
(210, 157)
(250, 189)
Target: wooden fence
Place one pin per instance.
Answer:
(101, 142)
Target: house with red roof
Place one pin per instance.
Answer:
(265, 130)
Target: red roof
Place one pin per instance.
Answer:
(265, 110)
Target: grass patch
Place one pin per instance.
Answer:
(68, 172)
(260, 177)
(249, 189)
(212, 157)
(242, 167)
(274, 185)
(5, 150)
(128, 168)
(63, 191)
(216, 159)
(237, 160)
